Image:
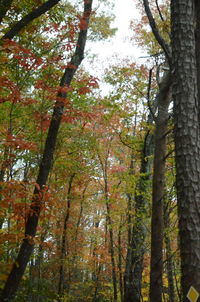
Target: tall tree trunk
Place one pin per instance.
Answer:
(171, 291)
(135, 252)
(157, 220)
(27, 246)
(187, 145)
(63, 242)
(135, 249)
(197, 42)
(2, 173)
(97, 265)
(111, 243)
(120, 260)
(109, 224)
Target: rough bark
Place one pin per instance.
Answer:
(187, 145)
(157, 223)
(42, 9)
(27, 246)
(197, 45)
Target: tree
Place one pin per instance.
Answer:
(42, 9)
(161, 122)
(158, 190)
(186, 135)
(136, 243)
(26, 249)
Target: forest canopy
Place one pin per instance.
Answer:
(99, 192)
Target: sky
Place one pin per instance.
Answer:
(125, 11)
(119, 45)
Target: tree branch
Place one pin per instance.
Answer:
(42, 9)
(159, 11)
(156, 32)
(148, 95)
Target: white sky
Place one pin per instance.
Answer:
(120, 44)
(125, 11)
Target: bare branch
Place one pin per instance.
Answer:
(159, 11)
(156, 32)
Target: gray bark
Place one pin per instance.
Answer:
(157, 220)
(187, 146)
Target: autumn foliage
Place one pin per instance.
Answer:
(88, 205)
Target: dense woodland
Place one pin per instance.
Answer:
(99, 191)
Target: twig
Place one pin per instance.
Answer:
(159, 11)
(156, 32)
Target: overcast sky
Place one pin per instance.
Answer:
(125, 11)
(120, 44)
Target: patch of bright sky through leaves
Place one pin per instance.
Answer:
(120, 46)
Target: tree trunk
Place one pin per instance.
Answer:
(169, 254)
(171, 291)
(108, 224)
(197, 42)
(120, 260)
(27, 246)
(63, 243)
(111, 244)
(157, 223)
(135, 251)
(187, 136)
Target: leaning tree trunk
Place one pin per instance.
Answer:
(157, 220)
(27, 246)
(187, 137)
